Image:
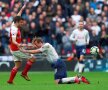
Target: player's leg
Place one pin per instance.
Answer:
(84, 80)
(68, 80)
(61, 74)
(27, 68)
(30, 61)
(14, 71)
(81, 63)
(82, 51)
(78, 57)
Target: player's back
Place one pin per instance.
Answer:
(50, 51)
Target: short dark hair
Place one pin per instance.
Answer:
(81, 21)
(17, 19)
(38, 39)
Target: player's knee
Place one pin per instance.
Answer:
(17, 66)
(58, 81)
(32, 60)
(81, 58)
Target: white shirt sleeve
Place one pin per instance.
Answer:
(72, 36)
(44, 47)
(14, 31)
(87, 37)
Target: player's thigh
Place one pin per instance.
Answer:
(21, 55)
(82, 54)
(78, 54)
(16, 59)
(17, 64)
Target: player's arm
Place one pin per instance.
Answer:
(31, 51)
(72, 37)
(14, 41)
(18, 44)
(14, 35)
(87, 38)
(21, 10)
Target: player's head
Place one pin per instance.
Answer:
(19, 21)
(81, 24)
(37, 42)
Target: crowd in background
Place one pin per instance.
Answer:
(54, 21)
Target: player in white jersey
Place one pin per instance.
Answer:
(81, 38)
(56, 63)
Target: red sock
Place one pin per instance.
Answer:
(13, 74)
(27, 67)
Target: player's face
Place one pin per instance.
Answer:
(38, 45)
(20, 23)
(81, 25)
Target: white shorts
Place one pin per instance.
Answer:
(18, 55)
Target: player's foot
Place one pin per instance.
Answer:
(10, 82)
(69, 58)
(25, 77)
(77, 80)
(84, 80)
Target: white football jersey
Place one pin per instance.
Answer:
(80, 37)
(50, 52)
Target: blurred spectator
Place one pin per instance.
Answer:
(49, 19)
(67, 46)
(33, 31)
(5, 39)
(104, 37)
(98, 10)
(93, 4)
(92, 15)
(95, 28)
(76, 17)
(86, 10)
(94, 39)
(69, 8)
(59, 36)
(1, 49)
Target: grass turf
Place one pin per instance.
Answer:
(44, 81)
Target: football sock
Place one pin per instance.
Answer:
(27, 67)
(13, 74)
(67, 80)
(81, 66)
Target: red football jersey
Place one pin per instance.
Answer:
(15, 32)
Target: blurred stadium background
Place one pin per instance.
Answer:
(54, 20)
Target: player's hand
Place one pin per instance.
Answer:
(22, 45)
(23, 50)
(29, 45)
(75, 40)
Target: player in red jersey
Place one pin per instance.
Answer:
(15, 44)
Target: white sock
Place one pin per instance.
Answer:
(68, 79)
(76, 67)
(81, 67)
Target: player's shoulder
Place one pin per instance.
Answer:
(85, 30)
(75, 30)
(13, 27)
(47, 45)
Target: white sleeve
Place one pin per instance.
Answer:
(72, 36)
(14, 31)
(88, 37)
(44, 48)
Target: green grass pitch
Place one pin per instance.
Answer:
(44, 81)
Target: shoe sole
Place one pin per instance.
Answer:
(25, 77)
